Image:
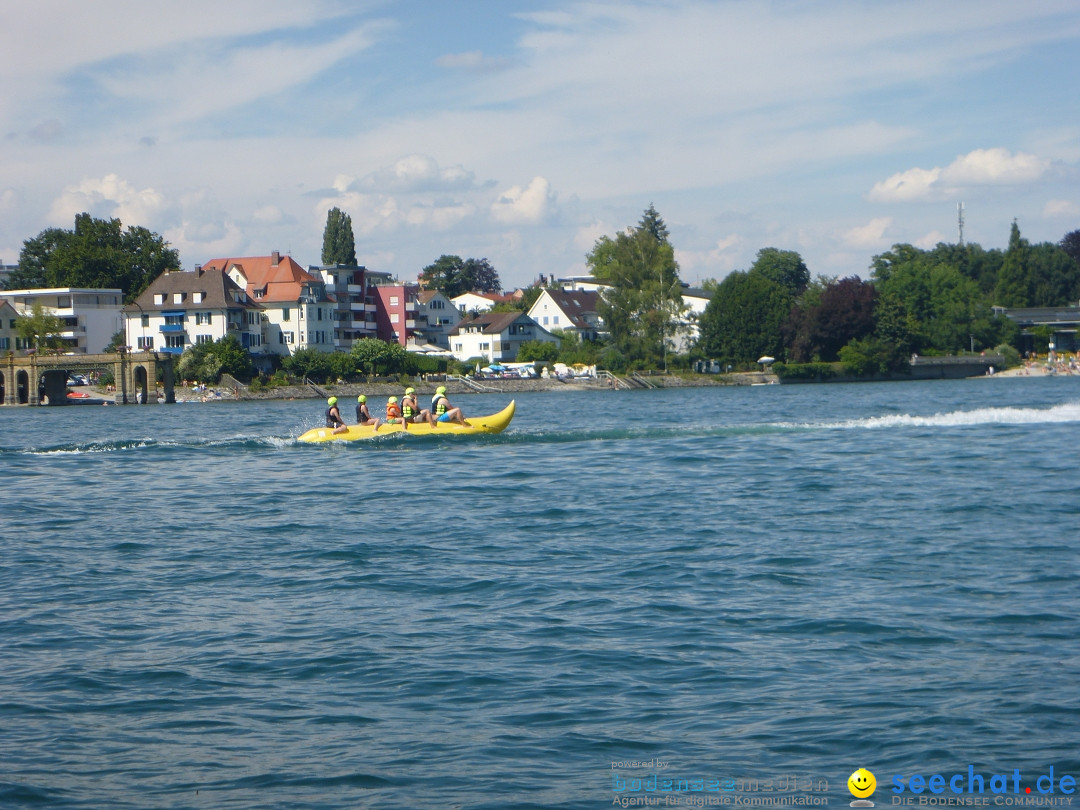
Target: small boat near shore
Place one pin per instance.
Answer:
(495, 423)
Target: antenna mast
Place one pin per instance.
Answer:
(960, 221)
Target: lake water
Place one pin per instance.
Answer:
(723, 588)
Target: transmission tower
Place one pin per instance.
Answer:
(960, 221)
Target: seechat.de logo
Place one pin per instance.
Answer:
(862, 785)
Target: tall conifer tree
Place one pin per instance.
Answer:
(339, 245)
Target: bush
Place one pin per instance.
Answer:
(1011, 355)
(806, 371)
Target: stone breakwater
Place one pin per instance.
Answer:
(457, 388)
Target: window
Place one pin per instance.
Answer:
(545, 320)
(198, 298)
(285, 314)
(204, 338)
(145, 320)
(393, 300)
(289, 336)
(178, 298)
(202, 318)
(485, 346)
(63, 302)
(5, 343)
(174, 320)
(159, 298)
(394, 317)
(146, 344)
(555, 320)
(318, 314)
(174, 341)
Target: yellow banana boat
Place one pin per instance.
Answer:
(496, 423)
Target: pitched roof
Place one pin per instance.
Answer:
(219, 292)
(273, 279)
(576, 304)
(490, 323)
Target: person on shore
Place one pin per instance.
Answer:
(333, 416)
(411, 411)
(363, 415)
(393, 413)
(444, 411)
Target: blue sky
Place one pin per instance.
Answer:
(522, 131)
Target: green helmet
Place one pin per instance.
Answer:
(392, 400)
(410, 390)
(441, 389)
(332, 401)
(361, 398)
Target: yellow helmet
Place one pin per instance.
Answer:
(361, 398)
(441, 389)
(392, 400)
(332, 401)
(410, 390)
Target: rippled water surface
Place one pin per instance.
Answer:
(197, 611)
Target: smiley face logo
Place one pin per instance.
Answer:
(861, 783)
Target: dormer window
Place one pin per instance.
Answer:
(178, 298)
(159, 298)
(198, 297)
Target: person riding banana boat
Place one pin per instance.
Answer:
(333, 416)
(363, 415)
(443, 411)
(411, 411)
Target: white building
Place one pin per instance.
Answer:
(496, 336)
(180, 308)
(91, 317)
(296, 311)
(572, 311)
(476, 302)
(439, 316)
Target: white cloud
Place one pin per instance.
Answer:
(930, 240)
(1061, 209)
(532, 204)
(716, 262)
(474, 61)
(980, 167)
(107, 197)
(375, 213)
(417, 173)
(870, 235)
(994, 166)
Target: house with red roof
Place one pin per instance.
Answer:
(297, 311)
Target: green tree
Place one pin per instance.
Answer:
(1014, 287)
(743, 320)
(98, 253)
(532, 350)
(454, 276)
(206, 362)
(339, 243)
(40, 330)
(785, 267)
(371, 354)
(642, 301)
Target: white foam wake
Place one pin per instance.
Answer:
(1068, 412)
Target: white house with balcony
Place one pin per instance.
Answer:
(297, 312)
(496, 336)
(90, 317)
(569, 310)
(183, 308)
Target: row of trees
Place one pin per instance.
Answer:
(943, 300)
(97, 253)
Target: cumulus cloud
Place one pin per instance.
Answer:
(980, 167)
(1061, 209)
(715, 262)
(528, 205)
(870, 235)
(373, 213)
(416, 173)
(107, 197)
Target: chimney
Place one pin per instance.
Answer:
(275, 258)
(198, 270)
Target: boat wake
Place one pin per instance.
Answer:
(1068, 412)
